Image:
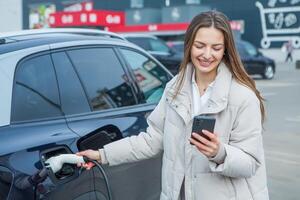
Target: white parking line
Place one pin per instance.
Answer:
(283, 154)
(275, 84)
(281, 157)
(293, 119)
(266, 94)
(282, 160)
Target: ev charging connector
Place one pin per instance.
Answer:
(55, 164)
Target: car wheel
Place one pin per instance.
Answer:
(269, 72)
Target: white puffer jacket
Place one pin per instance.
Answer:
(242, 175)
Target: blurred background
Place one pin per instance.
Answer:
(265, 31)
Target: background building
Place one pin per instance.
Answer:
(11, 15)
(266, 23)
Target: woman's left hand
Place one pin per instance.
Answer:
(208, 148)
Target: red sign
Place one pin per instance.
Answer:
(87, 18)
(237, 25)
(114, 21)
(162, 28)
(149, 28)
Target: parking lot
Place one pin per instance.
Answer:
(282, 132)
(77, 121)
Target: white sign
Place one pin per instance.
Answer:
(93, 18)
(137, 16)
(110, 19)
(280, 24)
(66, 19)
(175, 14)
(152, 27)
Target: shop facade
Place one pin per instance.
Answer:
(266, 23)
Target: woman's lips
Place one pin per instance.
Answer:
(204, 63)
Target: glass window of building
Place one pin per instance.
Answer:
(192, 1)
(167, 3)
(136, 3)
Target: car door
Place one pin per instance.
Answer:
(73, 102)
(37, 125)
(257, 61)
(250, 58)
(151, 79)
(115, 113)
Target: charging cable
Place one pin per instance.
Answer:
(99, 166)
(55, 164)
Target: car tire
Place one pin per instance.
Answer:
(268, 72)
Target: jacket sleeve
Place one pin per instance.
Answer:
(243, 155)
(142, 146)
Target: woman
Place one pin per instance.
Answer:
(211, 81)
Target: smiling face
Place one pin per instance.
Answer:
(207, 51)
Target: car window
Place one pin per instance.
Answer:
(241, 49)
(103, 77)
(73, 98)
(35, 94)
(158, 45)
(179, 47)
(151, 78)
(250, 49)
(141, 42)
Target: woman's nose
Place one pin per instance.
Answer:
(207, 53)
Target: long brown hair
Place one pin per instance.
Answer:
(231, 57)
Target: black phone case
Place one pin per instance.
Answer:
(203, 123)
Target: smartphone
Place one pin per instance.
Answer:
(203, 122)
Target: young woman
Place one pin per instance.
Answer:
(211, 81)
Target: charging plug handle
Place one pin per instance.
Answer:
(55, 163)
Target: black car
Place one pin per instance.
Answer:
(254, 61)
(66, 92)
(158, 48)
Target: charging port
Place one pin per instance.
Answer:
(67, 173)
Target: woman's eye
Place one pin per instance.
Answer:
(219, 49)
(198, 47)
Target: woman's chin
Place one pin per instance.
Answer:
(205, 68)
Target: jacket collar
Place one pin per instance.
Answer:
(219, 96)
(220, 92)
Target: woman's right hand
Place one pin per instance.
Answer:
(91, 154)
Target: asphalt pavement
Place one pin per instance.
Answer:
(282, 131)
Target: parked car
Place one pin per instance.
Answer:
(254, 61)
(159, 49)
(177, 45)
(67, 92)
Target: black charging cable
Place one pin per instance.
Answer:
(101, 169)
